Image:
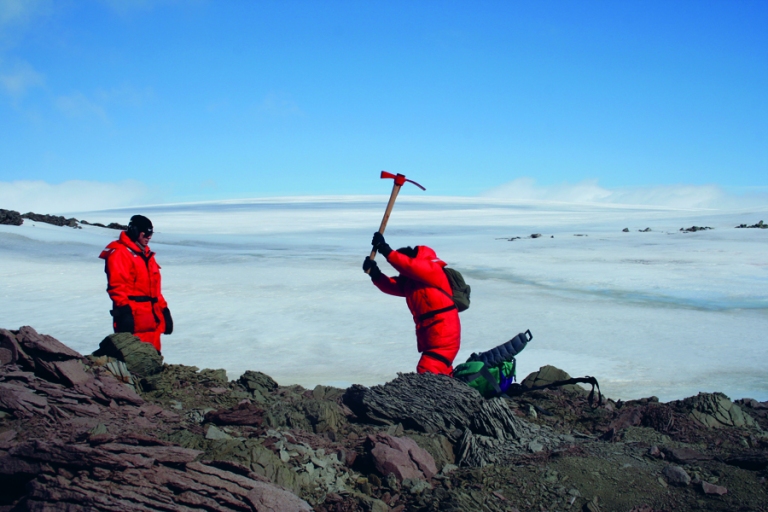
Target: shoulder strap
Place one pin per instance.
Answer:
(519, 390)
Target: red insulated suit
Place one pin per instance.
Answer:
(133, 279)
(427, 292)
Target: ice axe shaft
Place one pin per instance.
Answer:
(399, 182)
(385, 219)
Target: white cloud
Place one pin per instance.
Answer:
(22, 11)
(672, 196)
(129, 7)
(70, 196)
(280, 104)
(17, 82)
(79, 105)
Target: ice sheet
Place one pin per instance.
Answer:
(275, 285)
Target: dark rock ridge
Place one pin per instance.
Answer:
(694, 229)
(122, 430)
(759, 225)
(14, 218)
(56, 220)
(10, 217)
(111, 225)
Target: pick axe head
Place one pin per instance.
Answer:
(400, 180)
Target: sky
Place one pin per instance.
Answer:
(109, 103)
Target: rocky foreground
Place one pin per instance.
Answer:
(119, 430)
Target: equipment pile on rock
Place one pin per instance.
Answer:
(122, 430)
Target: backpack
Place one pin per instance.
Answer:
(490, 381)
(459, 288)
(493, 372)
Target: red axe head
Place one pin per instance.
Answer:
(399, 179)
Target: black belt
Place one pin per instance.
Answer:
(142, 298)
(430, 314)
(438, 357)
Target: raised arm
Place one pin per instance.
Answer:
(425, 271)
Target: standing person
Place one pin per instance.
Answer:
(428, 294)
(133, 284)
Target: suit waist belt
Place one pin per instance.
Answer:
(430, 314)
(142, 298)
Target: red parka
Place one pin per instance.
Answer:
(427, 292)
(133, 280)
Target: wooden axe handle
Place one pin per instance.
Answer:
(390, 204)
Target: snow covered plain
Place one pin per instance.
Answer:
(276, 286)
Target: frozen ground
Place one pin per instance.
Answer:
(276, 286)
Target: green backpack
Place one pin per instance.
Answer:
(490, 381)
(460, 289)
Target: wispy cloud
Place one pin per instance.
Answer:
(280, 104)
(79, 105)
(129, 7)
(71, 196)
(673, 196)
(22, 11)
(17, 81)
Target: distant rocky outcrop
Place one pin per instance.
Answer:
(56, 220)
(111, 225)
(10, 217)
(694, 229)
(759, 225)
(14, 218)
(122, 430)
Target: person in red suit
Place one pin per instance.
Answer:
(428, 294)
(133, 284)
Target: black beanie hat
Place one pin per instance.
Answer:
(409, 251)
(139, 224)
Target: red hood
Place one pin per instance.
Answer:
(427, 253)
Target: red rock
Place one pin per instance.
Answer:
(105, 388)
(270, 498)
(708, 488)
(685, 455)
(401, 456)
(170, 454)
(10, 347)
(6, 439)
(245, 413)
(22, 401)
(32, 342)
(151, 410)
(629, 417)
(6, 356)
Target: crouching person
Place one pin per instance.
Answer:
(428, 294)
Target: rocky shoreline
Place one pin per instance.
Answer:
(122, 430)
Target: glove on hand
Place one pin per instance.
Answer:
(123, 318)
(380, 244)
(168, 321)
(371, 267)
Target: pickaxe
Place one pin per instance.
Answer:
(399, 182)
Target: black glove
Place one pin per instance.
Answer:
(380, 244)
(168, 321)
(371, 268)
(123, 318)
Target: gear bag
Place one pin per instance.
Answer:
(489, 381)
(459, 288)
(494, 371)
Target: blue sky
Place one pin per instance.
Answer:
(202, 100)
